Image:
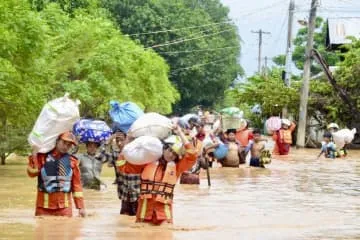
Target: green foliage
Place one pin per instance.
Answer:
(68, 6)
(199, 81)
(23, 42)
(46, 53)
(270, 92)
(319, 44)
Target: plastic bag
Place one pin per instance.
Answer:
(56, 117)
(343, 136)
(143, 150)
(88, 130)
(124, 114)
(151, 124)
(273, 124)
(221, 151)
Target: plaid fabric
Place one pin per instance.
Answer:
(128, 186)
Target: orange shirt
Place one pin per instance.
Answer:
(57, 200)
(243, 136)
(150, 209)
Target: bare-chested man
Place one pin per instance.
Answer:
(257, 146)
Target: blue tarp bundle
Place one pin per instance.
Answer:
(124, 114)
(88, 130)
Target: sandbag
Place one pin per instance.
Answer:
(56, 117)
(143, 150)
(87, 130)
(343, 136)
(124, 114)
(151, 124)
(273, 124)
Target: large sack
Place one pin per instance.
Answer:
(143, 150)
(56, 117)
(151, 124)
(87, 130)
(273, 124)
(124, 114)
(184, 120)
(343, 136)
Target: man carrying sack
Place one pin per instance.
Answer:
(58, 179)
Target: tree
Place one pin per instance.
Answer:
(201, 75)
(23, 43)
(46, 53)
(270, 92)
(106, 66)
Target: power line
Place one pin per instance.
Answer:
(245, 13)
(178, 29)
(188, 39)
(199, 65)
(199, 50)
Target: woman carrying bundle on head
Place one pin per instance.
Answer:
(158, 178)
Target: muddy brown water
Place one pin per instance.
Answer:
(296, 197)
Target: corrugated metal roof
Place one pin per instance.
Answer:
(341, 28)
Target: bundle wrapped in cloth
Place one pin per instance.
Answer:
(151, 124)
(143, 150)
(87, 130)
(184, 120)
(124, 114)
(273, 124)
(343, 136)
(56, 117)
(220, 151)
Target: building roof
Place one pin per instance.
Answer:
(339, 29)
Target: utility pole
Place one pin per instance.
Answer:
(260, 32)
(306, 78)
(266, 66)
(289, 51)
(289, 44)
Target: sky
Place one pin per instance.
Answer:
(272, 16)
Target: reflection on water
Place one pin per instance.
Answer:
(296, 197)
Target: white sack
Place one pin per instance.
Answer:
(151, 124)
(56, 117)
(143, 150)
(343, 136)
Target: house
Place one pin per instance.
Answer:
(339, 29)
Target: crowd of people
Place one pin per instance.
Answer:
(147, 191)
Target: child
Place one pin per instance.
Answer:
(259, 156)
(328, 146)
(232, 158)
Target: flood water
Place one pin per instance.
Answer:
(297, 197)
